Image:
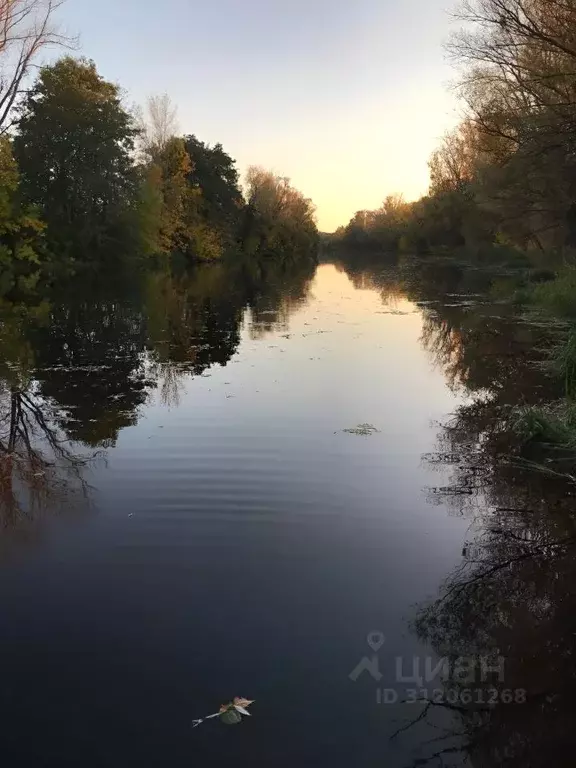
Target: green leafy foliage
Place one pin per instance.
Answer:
(73, 148)
(213, 173)
(21, 231)
(546, 427)
(558, 296)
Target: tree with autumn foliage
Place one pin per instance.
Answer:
(279, 220)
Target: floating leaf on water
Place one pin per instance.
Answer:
(241, 703)
(393, 312)
(230, 717)
(362, 429)
(229, 714)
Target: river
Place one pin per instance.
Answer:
(221, 489)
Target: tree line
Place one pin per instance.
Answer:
(87, 182)
(505, 177)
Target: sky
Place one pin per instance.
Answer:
(347, 98)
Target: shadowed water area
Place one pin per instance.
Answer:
(218, 485)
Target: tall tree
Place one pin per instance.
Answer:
(181, 222)
(279, 221)
(213, 172)
(182, 226)
(74, 149)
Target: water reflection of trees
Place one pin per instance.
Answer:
(195, 320)
(39, 468)
(514, 595)
(77, 368)
(365, 275)
(273, 295)
(193, 323)
(482, 350)
(88, 359)
(99, 352)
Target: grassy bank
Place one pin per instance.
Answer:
(546, 433)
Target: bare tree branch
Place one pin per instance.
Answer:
(26, 27)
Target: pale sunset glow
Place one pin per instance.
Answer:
(346, 99)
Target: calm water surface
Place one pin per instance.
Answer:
(223, 535)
